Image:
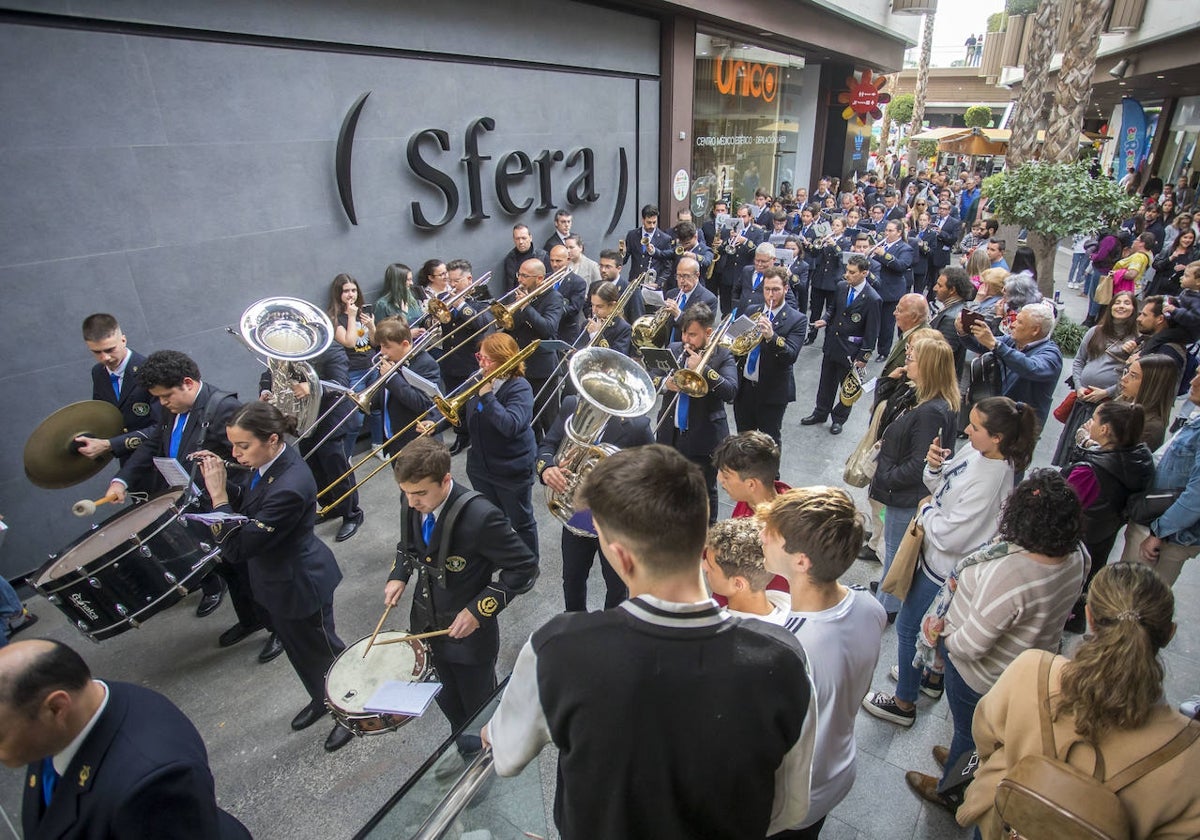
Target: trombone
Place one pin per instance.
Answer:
(504, 314)
(443, 310)
(693, 382)
(448, 406)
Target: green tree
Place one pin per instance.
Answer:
(1053, 200)
(1020, 7)
(978, 116)
(926, 148)
(997, 22)
(901, 108)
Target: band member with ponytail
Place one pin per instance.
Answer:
(618, 334)
(292, 573)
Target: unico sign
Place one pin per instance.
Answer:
(746, 78)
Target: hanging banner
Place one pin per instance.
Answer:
(1133, 133)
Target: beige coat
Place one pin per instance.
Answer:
(1161, 804)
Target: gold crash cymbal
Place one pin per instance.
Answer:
(51, 458)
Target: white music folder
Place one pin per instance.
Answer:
(429, 389)
(402, 698)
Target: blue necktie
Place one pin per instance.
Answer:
(850, 297)
(116, 383)
(427, 527)
(681, 412)
(752, 359)
(254, 479)
(49, 780)
(682, 306)
(757, 281)
(177, 434)
(387, 420)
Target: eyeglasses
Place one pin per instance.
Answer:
(479, 357)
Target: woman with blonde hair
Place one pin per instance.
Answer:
(1111, 696)
(898, 484)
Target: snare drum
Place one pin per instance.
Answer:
(352, 680)
(131, 566)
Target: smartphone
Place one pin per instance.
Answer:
(970, 318)
(368, 309)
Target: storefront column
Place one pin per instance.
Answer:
(678, 91)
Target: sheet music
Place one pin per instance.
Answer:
(402, 698)
(215, 516)
(172, 472)
(653, 297)
(419, 382)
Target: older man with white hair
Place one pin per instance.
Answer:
(1030, 361)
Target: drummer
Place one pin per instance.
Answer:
(194, 419)
(470, 564)
(115, 381)
(292, 573)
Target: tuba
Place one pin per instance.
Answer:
(289, 331)
(609, 384)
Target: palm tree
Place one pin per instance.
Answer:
(1032, 102)
(922, 87)
(885, 125)
(1075, 80)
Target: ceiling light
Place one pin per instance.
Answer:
(1121, 69)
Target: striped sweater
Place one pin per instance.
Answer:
(1006, 606)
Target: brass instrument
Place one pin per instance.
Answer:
(692, 382)
(504, 314)
(443, 310)
(609, 384)
(598, 339)
(288, 332)
(647, 329)
(450, 407)
(716, 253)
(645, 241)
(741, 345)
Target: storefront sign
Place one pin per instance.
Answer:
(863, 96)
(740, 140)
(679, 187)
(746, 78)
(512, 168)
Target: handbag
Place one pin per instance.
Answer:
(1064, 408)
(899, 577)
(860, 466)
(1143, 508)
(1103, 292)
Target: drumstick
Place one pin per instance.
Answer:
(417, 637)
(86, 507)
(387, 609)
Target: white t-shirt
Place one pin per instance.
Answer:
(842, 645)
(781, 606)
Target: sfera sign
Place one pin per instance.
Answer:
(519, 179)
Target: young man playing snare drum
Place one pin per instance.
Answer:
(469, 564)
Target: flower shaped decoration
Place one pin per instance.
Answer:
(863, 97)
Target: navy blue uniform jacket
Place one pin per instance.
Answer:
(141, 772)
(852, 331)
(776, 382)
(140, 412)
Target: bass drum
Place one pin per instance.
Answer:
(128, 568)
(352, 680)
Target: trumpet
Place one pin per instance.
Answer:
(680, 248)
(741, 345)
(692, 382)
(505, 314)
(443, 310)
(645, 241)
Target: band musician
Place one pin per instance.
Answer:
(696, 425)
(767, 384)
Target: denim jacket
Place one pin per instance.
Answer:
(1179, 468)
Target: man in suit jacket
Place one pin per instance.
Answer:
(140, 770)
(698, 424)
(923, 240)
(469, 317)
(578, 550)
(952, 289)
(562, 229)
(853, 330)
(469, 563)
(610, 272)
(647, 247)
(523, 249)
(573, 290)
(688, 293)
(748, 291)
(688, 238)
(115, 380)
(539, 320)
(895, 278)
(742, 241)
(195, 417)
(948, 230)
(767, 384)
(402, 402)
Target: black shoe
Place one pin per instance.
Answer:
(880, 357)
(309, 715)
(209, 603)
(349, 527)
(236, 633)
(891, 618)
(339, 737)
(835, 429)
(812, 339)
(812, 420)
(271, 649)
(874, 587)
(24, 622)
(870, 555)
(461, 442)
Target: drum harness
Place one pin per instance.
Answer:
(435, 569)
